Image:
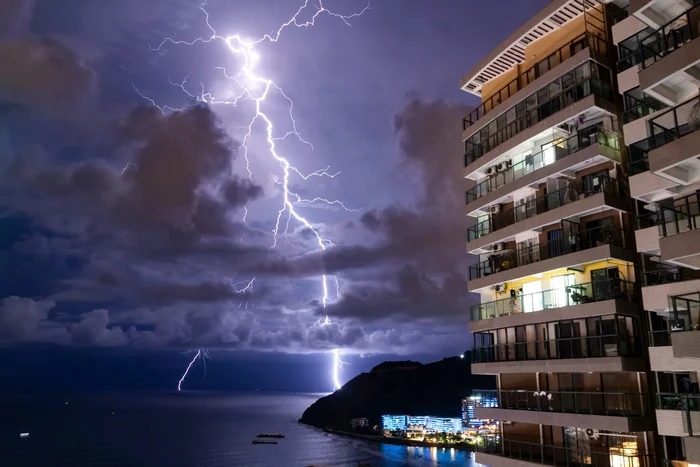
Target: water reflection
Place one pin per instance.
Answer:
(426, 456)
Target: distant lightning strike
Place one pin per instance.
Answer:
(247, 80)
(201, 354)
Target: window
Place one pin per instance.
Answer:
(532, 296)
(560, 294)
(528, 251)
(525, 208)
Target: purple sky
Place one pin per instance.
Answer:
(154, 258)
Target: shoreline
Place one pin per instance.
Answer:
(399, 441)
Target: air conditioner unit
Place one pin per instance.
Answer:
(489, 171)
(509, 163)
(497, 168)
(593, 434)
(499, 287)
(499, 246)
(495, 209)
(500, 166)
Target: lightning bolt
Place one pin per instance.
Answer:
(256, 88)
(201, 354)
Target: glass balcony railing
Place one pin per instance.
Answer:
(636, 108)
(675, 123)
(620, 404)
(592, 238)
(560, 55)
(611, 345)
(665, 274)
(670, 37)
(570, 295)
(639, 156)
(648, 46)
(557, 151)
(575, 191)
(542, 104)
(683, 216)
(560, 456)
(685, 403)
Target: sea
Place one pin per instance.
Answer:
(187, 430)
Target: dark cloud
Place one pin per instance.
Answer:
(45, 76)
(15, 16)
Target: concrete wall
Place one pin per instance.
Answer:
(662, 359)
(664, 68)
(686, 345)
(655, 297)
(692, 449)
(626, 28)
(675, 422)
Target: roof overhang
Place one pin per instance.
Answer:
(512, 51)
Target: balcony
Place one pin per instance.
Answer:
(510, 453)
(674, 143)
(559, 150)
(612, 345)
(569, 296)
(617, 404)
(648, 46)
(576, 199)
(548, 101)
(639, 106)
(538, 70)
(578, 248)
(678, 414)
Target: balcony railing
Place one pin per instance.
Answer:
(647, 47)
(592, 238)
(612, 345)
(674, 123)
(531, 116)
(578, 402)
(671, 36)
(560, 55)
(639, 156)
(559, 150)
(686, 403)
(665, 274)
(682, 217)
(637, 108)
(575, 191)
(560, 456)
(570, 295)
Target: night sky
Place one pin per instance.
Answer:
(129, 224)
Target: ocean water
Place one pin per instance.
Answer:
(188, 430)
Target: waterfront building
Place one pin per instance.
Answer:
(658, 78)
(560, 321)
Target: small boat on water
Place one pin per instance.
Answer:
(262, 441)
(270, 435)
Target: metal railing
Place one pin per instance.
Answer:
(570, 295)
(611, 345)
(559, 150)
(575, 191)
(671, 36)
(579, 402)
(639, 156)
(674, 123)
(606, 235)
(647, 47)
(686, 403)
(560, 55)
(666, 274)
(552, 105)
(637, 108)
(682, 217)
(539, 453)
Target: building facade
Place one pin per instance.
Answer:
(560, 320)
(658, 77)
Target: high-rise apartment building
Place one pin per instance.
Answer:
(658, 76)
(560, 320)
